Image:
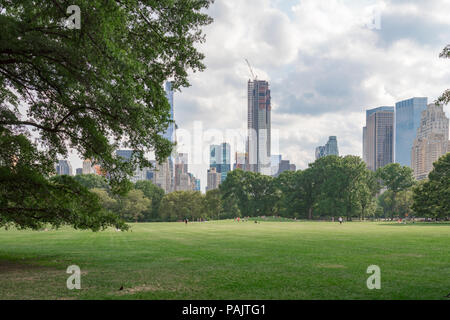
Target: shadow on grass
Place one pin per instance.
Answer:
(15, 266)
(417, 224)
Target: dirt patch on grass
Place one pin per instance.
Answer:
(147, 288)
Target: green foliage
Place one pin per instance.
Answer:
(180, 205)
(155, 194)
(92, 181)
(87, 90)
(395, 178)
(235, 191)
(445, 97)
(107, 202)
(262, 194)
(58, 201)
(344, 186)
(213, 204)
(252, 193)
(432, 197)
(132, 206)
(404, 201)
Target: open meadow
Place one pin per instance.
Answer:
(229, 260)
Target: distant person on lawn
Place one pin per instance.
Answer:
(340, 220)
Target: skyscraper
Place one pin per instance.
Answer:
(275, 160)
(431, 141)
(213, 179)
(182, 180)
(220, 159)
(161, 176)
(330, 148)
(63, 167)
(407, 121)
(88, 168)
(259, 126)
(378, 137)
(364, 151)
(285, 165)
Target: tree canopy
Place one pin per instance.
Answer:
(445, 97)
(91, 90)
(432, 197)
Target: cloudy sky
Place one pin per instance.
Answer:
(326, 62)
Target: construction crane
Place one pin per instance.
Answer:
(255, 77)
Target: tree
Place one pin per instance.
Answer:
(367, 191)
(155, 194)
(286, 186)
(445, 98)
(404, 203)
(92, 181)
(385, 203)
(432, 198)
(324, 181)
(213, 204)
(234, 190)
(132, 206)
(88, 90)
(180, 205)
(308, 186)
(262, 194)
(106, 201)
(396, 178)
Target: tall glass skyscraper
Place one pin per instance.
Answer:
(407, 121)
(220, 158)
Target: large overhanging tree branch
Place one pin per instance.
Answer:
(88, 89)
(445, 98)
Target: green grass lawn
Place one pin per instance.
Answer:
(229, 260)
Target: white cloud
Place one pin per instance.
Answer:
(325, 67)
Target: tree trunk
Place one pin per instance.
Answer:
(310, 214)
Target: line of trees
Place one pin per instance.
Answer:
(330, 187)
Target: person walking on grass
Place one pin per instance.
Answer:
(340, 220)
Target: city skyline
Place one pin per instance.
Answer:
(316, 93)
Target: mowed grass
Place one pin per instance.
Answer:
(229, 260)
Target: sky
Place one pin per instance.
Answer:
(326, 63)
